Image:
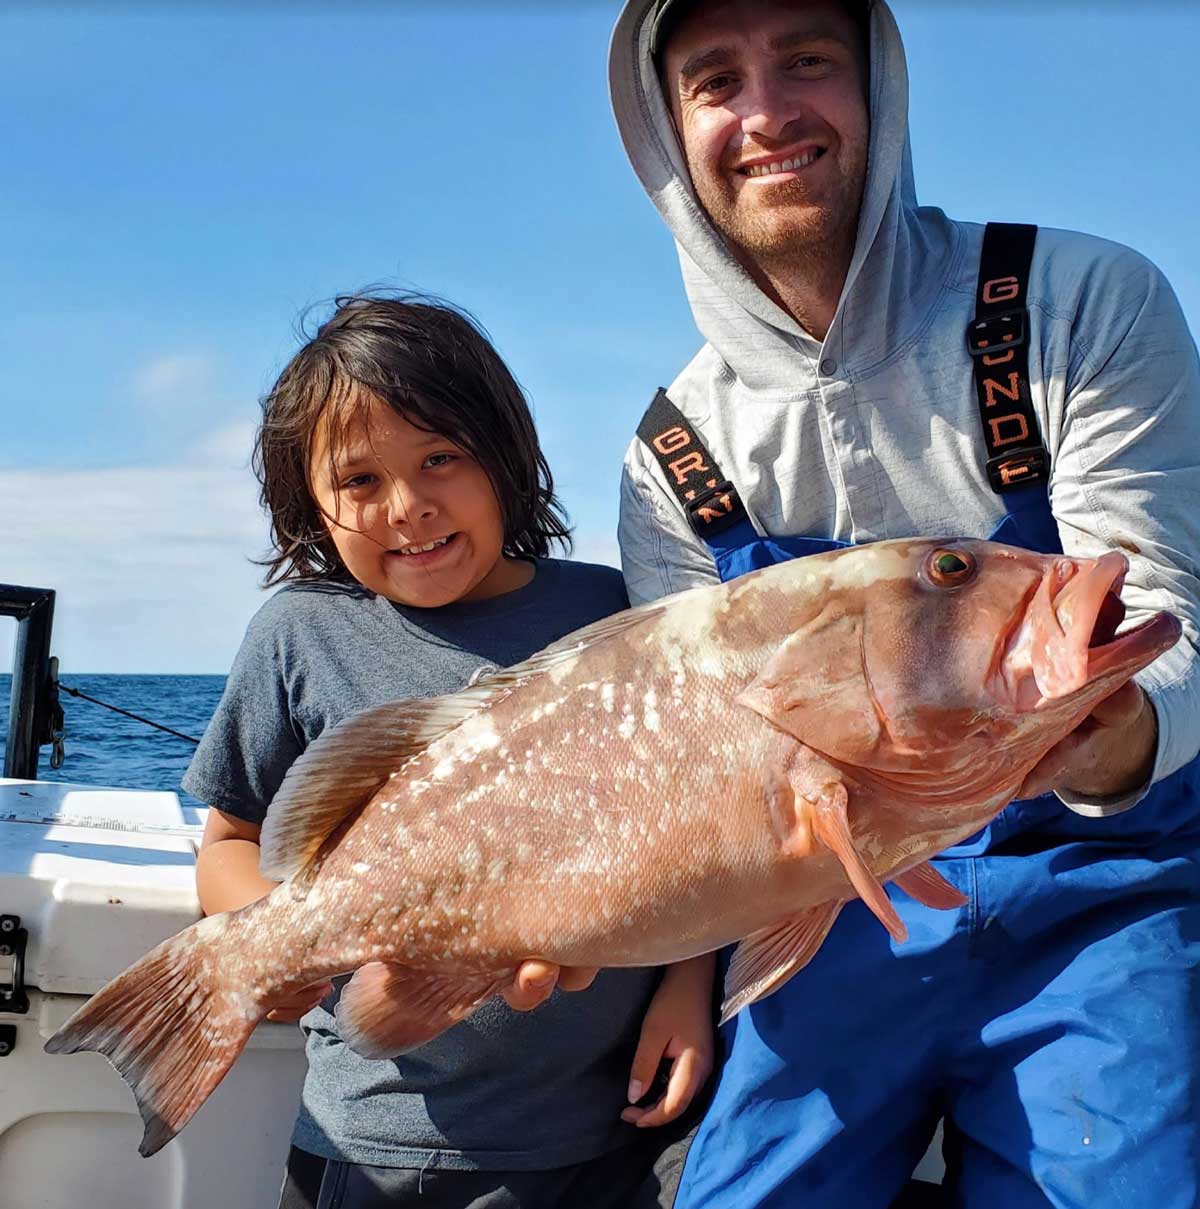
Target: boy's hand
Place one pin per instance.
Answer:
(535, 980)
(678, 1028)
(289, 1008)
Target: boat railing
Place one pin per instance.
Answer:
(34, 715)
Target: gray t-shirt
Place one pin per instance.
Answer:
(503, 1090)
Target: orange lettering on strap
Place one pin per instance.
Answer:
(992, 388)
(671, 440)
(1001, 289)
(1021, 435)
(707, 513)
(688, 464)
(990, 359)
(1011, 471)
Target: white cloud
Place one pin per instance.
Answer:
(164, 380)
(150, 565)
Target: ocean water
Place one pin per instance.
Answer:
(105, 748)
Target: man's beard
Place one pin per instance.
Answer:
(795, 232)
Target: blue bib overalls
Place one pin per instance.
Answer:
(1054, 1021)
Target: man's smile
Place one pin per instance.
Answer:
(776, 165)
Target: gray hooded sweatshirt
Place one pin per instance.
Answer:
(875, 432)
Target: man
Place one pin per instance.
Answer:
(1054, 1021)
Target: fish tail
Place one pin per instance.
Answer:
(171, 1025)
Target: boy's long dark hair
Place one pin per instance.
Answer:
(435, 366)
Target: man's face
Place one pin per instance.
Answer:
(769, 99)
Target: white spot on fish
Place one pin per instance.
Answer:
(470, 858)
(360, 867)
(443, 769)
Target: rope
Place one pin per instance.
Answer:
(117, 710)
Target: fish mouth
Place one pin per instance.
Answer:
(1109, 652)
(1067, 637)
(1076, 613)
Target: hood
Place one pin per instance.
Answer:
(733, 314)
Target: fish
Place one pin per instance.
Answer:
(728, 765)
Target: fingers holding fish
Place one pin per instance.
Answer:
(577, 978)
(287, 1009)
(532, 985)
(1110, 753)
(535, 980)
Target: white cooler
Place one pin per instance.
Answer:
(96, 878)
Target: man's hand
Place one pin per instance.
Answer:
(534, 983)
(1110, 753)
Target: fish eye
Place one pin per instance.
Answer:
(951, 568)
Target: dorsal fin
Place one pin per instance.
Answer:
(562, 651)
(340, 771)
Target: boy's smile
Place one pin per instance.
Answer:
(413, 516)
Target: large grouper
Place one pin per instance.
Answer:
(730, 764)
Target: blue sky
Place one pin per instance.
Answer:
(182, 180)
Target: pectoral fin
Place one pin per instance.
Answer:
(766, 959)
(928, 886)
(387, 1009)
(831, 826)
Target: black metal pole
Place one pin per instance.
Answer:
(28, 707)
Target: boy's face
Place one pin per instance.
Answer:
(769, 102)
(392, 489)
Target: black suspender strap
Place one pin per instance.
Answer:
(711, 502)
(998, 340)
